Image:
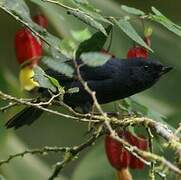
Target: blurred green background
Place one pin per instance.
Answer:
(50, 130)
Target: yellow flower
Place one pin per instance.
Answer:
(26, 78)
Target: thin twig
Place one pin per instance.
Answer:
(42, 151)
(71, 155)
(10, 105)
(17, 18)
(150, 141)
(160, 129)
(132, 149)
(20, 101)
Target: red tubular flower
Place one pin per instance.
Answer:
(41, 20)
(118, 157)
(27, 47)
(139, 142)
(137, 52)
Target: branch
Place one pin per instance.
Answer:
(35, 151)
(132, 149)
(102, 120)
(159, 128)
(150, 141)
(17, 18)
(72, 154)
(23, 102)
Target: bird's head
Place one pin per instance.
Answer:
(146, 72)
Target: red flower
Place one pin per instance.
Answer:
(137, 52)
(41, 20)
(27, 47)
(140, 143)
(119, 157)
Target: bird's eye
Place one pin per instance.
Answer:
(146, 67)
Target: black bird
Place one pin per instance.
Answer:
(116, 79)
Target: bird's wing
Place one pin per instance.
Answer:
(106, 71)
(61, 78)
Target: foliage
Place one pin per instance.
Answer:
(89, 49)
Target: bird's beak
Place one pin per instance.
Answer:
(165, 69)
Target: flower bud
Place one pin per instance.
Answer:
(41, 20)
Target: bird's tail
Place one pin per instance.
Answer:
(25, 117)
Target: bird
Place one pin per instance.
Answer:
(116, 79)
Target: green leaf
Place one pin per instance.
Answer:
(67, 47)
(43, 80)
(53, 81)
(137, 106)
(81, 1)
(88, 20)
(171, 27)
(89, 9)
(99, 17)
(19, 7)
(167, 23)
(58, 66)
(94, 58)
(95, 43)
(56, 84)
(73, 90)
(81, 35)
(156, 11)
(132, 10)
(52, 40)
(58, 55)
(85, 5)
(128, 29)
(20, 10)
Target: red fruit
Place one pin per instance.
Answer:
(118, 157)
(104, 51)
(41, 20)
(137, 52)
(27, 47)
